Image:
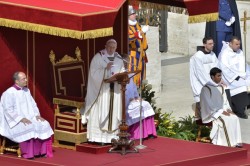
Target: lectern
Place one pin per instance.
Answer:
(122, 145)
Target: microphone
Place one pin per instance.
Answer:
(127, 62)
(124, 60)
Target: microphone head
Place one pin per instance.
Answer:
(126, 58)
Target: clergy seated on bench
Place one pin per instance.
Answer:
(21, 122)
(133, 114)
(216, 109)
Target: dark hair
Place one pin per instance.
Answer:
(205, 39)
(234, 38)
(214, 71)
(15, 76)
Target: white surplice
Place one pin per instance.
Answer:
(232, 65)
(133, 106)
(213, 103)
(102, 125)
(200, 66)
(15, 105)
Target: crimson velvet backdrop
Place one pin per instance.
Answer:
(27, 51)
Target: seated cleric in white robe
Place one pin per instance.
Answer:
(20, 119)
(216, 109)
(133, 103)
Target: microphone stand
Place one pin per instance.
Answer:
(140, 146)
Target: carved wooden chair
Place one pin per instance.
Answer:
(9, 146)
(202, 126)
(69, 88)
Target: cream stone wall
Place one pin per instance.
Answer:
(154, 59)
(178, 33)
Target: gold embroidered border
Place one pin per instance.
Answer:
(55, 31)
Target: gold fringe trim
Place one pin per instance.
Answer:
(68, 102)
(173, 9)
(179, 10)
(203, 18)
(62, 32)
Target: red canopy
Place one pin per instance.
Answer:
(83, 19)
(79, 19)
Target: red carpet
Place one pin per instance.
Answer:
(159, 151)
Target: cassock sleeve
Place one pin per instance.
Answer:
(11, 115)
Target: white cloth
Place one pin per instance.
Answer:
(133, 111)
(134, 106)
(213, 103)
(100, 127)
(232, 65)
(130, 22)
(200, 66)
(145, 28)
(15, 105)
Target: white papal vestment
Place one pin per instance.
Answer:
(103, 122)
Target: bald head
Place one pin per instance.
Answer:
(111, 41)
(20, 79)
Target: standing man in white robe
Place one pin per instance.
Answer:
(233, 65)
(103, 108)
(216, 109)
(21, 121)
(200, 64)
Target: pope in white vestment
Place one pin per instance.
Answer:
(103, 109)
(235, 75)
(20, 119)
(216, 109)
